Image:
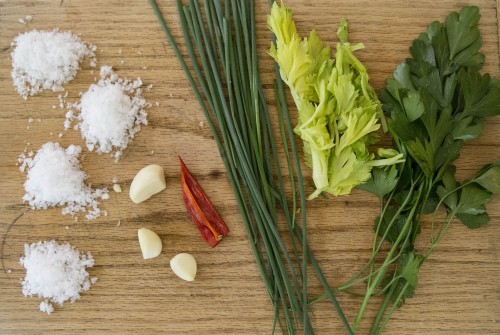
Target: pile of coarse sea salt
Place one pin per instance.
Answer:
(111, 113)
(46, 60)
(54, 178)
(56, 273)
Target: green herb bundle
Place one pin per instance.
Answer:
(221, 46)
(436, 101)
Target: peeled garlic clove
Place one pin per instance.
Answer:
(150, 243)
(184, 266)
(147, 182)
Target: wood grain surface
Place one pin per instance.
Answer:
(458, 291)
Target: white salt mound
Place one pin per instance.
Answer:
(46, 60)
(111, 113)
(56, 273)
(54, 178)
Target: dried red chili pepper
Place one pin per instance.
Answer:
(201, 210)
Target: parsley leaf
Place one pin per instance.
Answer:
(382, 182)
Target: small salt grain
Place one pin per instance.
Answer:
(119, 223)
(46, 307)
(117, 188)
(157, 104)
(54, 106)
(149, 87)
(51, 133)
(30, 120)
(202, 124)
(66, 227)
(28, 18)
(119, 51)
(21, 20)
(28, 127)
(9, 271)
(60, 135)
(144, 68)
(122, 61)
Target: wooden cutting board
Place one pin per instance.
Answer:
(458, 291)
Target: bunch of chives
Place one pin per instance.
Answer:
(225, 78)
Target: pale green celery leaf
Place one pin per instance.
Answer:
(344, 92)
(306, 111)
(358, 126)
(281, 23)
(342, 32)
(319, 159)
(388, 161)
(346, 171)
(336, 104)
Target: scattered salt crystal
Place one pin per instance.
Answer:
(51, 134)
(122, 61)
(119, 223)
(28, 127)
(119, 51)
(30, 120)
(60, 135)
(75, 127)
(46, 307)
(28, 18)
(55, 272)
(21, 20)
(9, 271)
(46, 60)
(150, 86)
(202, 124)
(157, 104)
(54, 178)
(117, 188)
(144, 68)
(111, 113)
(54, 106)
(93, 280)
(66, 227)
(115, 180)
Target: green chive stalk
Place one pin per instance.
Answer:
(225, 78)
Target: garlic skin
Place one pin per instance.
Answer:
(147, 182)
(149, 242)
(184, 266)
